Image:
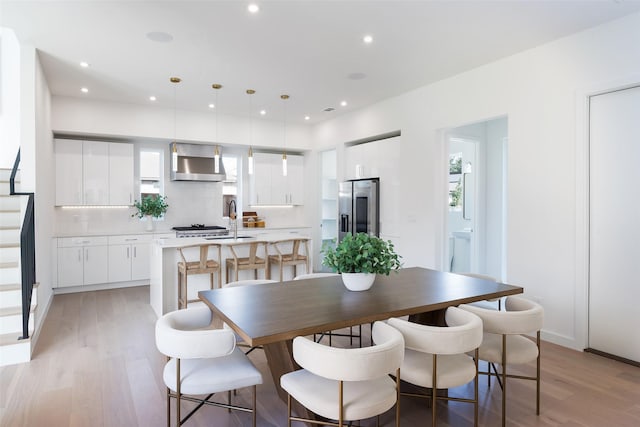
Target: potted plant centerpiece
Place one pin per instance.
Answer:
(359, 258)
(152, 207)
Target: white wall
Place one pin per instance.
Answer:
(537, 91)
(9, 97)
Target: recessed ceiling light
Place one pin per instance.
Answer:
(307, 117)
(160, 37)
(152, 98)
(84, 90)
(253, 8)
(343, 103)
(212, 106)
(356, 76)
(84, 64)
(263, 112)
(367, 39)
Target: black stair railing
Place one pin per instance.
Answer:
(27, 250)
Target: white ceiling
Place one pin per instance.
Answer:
(310, 50)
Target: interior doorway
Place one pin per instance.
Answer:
(476, 198)
(613, 229)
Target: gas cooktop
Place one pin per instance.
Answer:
(199, 227)
(201, 230)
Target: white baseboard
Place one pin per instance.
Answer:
(100, 287)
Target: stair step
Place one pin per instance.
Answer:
(8, 287)
(12, 338)
(5, 174)
(11, 296)
(11, 319)
(8, 265)
(12, 311)
(9, 202)
(10, 217)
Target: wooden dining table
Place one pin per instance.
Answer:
(273, 314)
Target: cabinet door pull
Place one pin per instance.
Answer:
(79, 255)
(86, 254)
(127, 252)
(131, 240)
(135, 252)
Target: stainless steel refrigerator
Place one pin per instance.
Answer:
(359, 207)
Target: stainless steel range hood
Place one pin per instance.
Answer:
(195, 162)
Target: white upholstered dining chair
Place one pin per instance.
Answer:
(504, 342)
(202, 361)
(249, 282)
(436, 357)
(346, 384)
(492, 300)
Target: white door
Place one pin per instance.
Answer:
(614, 252)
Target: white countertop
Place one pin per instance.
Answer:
(188, 241)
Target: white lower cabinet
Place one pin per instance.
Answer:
(82, 261)
(102, 260)
(129, 257)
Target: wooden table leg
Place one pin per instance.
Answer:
(280, 359)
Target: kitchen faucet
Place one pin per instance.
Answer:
(233, 219)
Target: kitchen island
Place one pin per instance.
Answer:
(164, 266)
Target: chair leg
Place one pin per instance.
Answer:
(288, 410)
(254, 413)
(340, 398)
(434, 389)
(398, 397)
(178, 392)
(168, 407)
(538, 375)
(475, 391)
(504, 380)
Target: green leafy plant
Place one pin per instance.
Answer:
(155, 206)
(362, 254)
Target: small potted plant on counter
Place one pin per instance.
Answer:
(150, 206)
(359, 258)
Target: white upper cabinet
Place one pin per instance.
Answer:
(120, 174)
(68, 172)
(268, 186)
(93, 173)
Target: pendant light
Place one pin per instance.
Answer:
(216, 154)
(284, 149)
(174, 151)
(250, 156)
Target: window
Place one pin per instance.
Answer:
(230, 184)
(151, 173)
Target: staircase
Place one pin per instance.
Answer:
(12, 349)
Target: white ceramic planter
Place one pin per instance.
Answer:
(149, 223)
(358, 281)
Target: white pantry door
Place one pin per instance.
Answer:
(614, 217)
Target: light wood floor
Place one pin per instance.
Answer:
(96, 364)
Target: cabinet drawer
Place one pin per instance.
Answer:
(130, 239)
(68, 242)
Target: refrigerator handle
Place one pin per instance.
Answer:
(344, 223)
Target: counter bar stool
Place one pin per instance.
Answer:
(250, 262)
(204, 265)
(293, 258)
